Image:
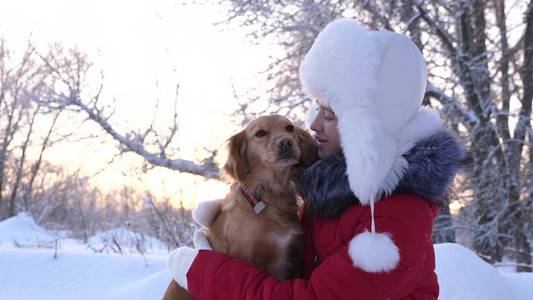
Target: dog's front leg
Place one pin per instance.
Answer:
(176, 292)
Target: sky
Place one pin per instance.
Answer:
(146, 48)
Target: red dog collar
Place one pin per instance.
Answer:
(257, 205)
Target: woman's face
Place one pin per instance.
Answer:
(326, 133)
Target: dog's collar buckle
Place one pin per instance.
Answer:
(257, 205)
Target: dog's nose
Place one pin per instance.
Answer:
(285, 145)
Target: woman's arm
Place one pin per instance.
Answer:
(215, 275)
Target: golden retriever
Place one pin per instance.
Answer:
(258, 219)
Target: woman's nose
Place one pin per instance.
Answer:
(316, 125)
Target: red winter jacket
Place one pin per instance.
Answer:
(334, 218)
(331, 275)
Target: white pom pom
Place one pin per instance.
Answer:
(374, 252)
(205, 212)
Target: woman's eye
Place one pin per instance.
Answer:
(260, 133)
(328, 115)
(290, 128)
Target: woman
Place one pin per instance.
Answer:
(386, 165)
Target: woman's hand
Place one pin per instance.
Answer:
(180, 260)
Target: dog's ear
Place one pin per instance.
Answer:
(237, 165)
(308, 147)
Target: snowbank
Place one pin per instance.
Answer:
(463, 275)
(521, 284)
(22, 230)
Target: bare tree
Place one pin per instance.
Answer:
(69, 70)
(18, 116)
(479, 62)
(36, 91)
(36, 166)
(175, 226)
(20, 168)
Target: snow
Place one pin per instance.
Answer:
(128, 239)
(35, 274)
(521, 284)
(23, 230)
(28, 269)
(463, 275)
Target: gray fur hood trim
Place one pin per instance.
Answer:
(433, 164)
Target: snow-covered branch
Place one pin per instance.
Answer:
(68, 94)
(207, 168)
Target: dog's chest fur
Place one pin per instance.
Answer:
(271, 239)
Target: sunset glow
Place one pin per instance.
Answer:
(144, 50)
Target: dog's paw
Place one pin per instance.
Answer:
(205, 212)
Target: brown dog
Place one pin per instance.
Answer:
(258, 219)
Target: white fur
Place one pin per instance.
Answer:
(179, 262)
(332, 76)
(374, 252)
(375, 82)
(401, 80)
(423, 124)
(282, 240)
(394, 176)
(200, 241)
(369, 151)
(311, 114)
(205, 212)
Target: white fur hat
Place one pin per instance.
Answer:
(374, 81)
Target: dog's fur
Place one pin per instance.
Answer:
(263, 157)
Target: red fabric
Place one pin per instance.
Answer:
(330, 272)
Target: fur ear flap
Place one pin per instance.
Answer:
(237, 165)
(308, 147)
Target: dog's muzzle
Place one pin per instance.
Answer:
(285, 149)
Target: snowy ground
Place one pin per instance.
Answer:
(96, 271)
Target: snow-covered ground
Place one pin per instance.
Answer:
(29, 270)
(463, 275)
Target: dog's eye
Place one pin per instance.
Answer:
(260, 133)
(290, 128)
